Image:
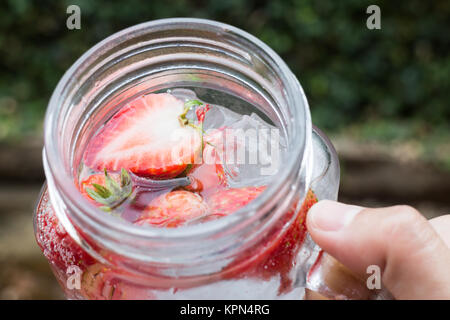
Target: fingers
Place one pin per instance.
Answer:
(442, 227)
(414, 260)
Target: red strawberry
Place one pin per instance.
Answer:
(93, 179)
(108, 189)
(277, 257)
(173, 209)
(225, 202)
(147, 137)
(201, 112)
(282, 258)
(56, 244)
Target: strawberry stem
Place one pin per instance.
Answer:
(156, 185)
(191, 103)
(200, 112)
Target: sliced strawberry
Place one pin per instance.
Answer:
(147, 138)
(56, 244)
(173, 209)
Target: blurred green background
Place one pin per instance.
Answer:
(395, 80)
(381, 95)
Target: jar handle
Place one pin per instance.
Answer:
(328, 278)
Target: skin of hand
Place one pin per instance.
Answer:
(413, 253)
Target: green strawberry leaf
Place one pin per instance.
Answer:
(111, 184)
(102, 191)
(125, 178)
(94, 195)
(112, 194)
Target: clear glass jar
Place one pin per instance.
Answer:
(97, 256)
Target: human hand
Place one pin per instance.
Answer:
(413, 254)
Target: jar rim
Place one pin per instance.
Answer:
(59, 176)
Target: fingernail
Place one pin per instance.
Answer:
(329, 215)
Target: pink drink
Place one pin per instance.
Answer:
(144, 201)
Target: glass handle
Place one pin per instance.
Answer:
(327, 278)
(326, 171)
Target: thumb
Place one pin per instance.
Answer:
(413, 259)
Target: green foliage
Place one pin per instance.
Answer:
(349, 73)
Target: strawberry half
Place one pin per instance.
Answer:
(173, 209)
(146, 137)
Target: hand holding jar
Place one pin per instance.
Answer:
(412, 254)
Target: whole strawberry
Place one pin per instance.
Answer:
(227, 201)
(173, 209)
(107, 190)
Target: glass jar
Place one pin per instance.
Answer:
(97, 256)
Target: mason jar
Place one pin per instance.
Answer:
(97, 256)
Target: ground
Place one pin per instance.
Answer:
(372, 175)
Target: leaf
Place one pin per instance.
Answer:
(125, 178)
(111, 184)
(94, 195)
(101, 191)
(113, 193)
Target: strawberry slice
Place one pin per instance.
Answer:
(173, 209)
(146, 137)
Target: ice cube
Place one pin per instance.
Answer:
(258, 149)
(251, 149)
(219, 117)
